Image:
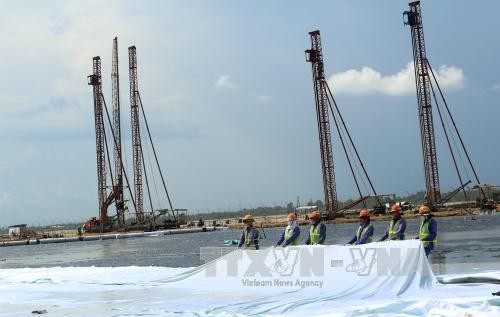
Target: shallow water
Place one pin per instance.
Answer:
(464, 246)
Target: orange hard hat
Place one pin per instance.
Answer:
(364, 213)
(424, 210)
(396, 208)
(315, 214)
(290, 217)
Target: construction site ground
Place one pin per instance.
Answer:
(281, 220)
(262, 221)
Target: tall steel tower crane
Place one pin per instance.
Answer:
(427, 88)
(315, 57)
(136, 134)
(138, 154)
(95, 80)
(325, 102)
(118, 183)
(103, 155)
(423, 82)
(117, 180)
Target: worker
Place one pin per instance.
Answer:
(200, 223)
(317, 231)
(250, 235)
(397, 226)
(428, 229)
(80, 233)
(291, 234)
(365, 230)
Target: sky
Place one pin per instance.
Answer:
(229, 98)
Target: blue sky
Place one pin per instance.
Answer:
(229, 97)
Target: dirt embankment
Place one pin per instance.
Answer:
(260, 221)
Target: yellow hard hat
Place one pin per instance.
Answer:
(364, 213)
(248, 218)
(424, 210)
(396, 208)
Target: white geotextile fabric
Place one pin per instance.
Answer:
(386, 279)
(389, 268)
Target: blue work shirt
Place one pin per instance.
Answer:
(322, 233)
(399, 234)
(295, 234)
(364, 237)
(432, 230)
(254, 236)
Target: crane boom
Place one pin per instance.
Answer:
(315, 57)
(136, 134)
(422, 81)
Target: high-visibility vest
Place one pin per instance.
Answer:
(249, 242)
(361, 233)
(288, 234)
(424, 232)
(393, 226)
(315, 233)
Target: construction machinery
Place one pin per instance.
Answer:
(427, 86)
(116, 194)
(422, 81)
(115, 100)
(139, 162)
(103, 156)
(315, 57)
(95, 80)
(325, 103)
(105, 200)
(136, 134)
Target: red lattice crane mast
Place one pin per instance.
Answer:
(118, 183)
(95, 80)
(315, 57)
(427, 87)
(103, 156)
(136, 134)
(423, 82)
(116, 195)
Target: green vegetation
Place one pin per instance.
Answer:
(415, 198)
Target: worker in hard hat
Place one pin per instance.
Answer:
(250, 235)
(317, 230)
(291, 234)
(365, 230)
(397, 226)
(428, 229)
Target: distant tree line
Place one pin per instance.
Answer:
(415, 198)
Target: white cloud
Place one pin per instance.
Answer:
(52, 52)
(264, 98)
(369, 81)
(225, 82)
